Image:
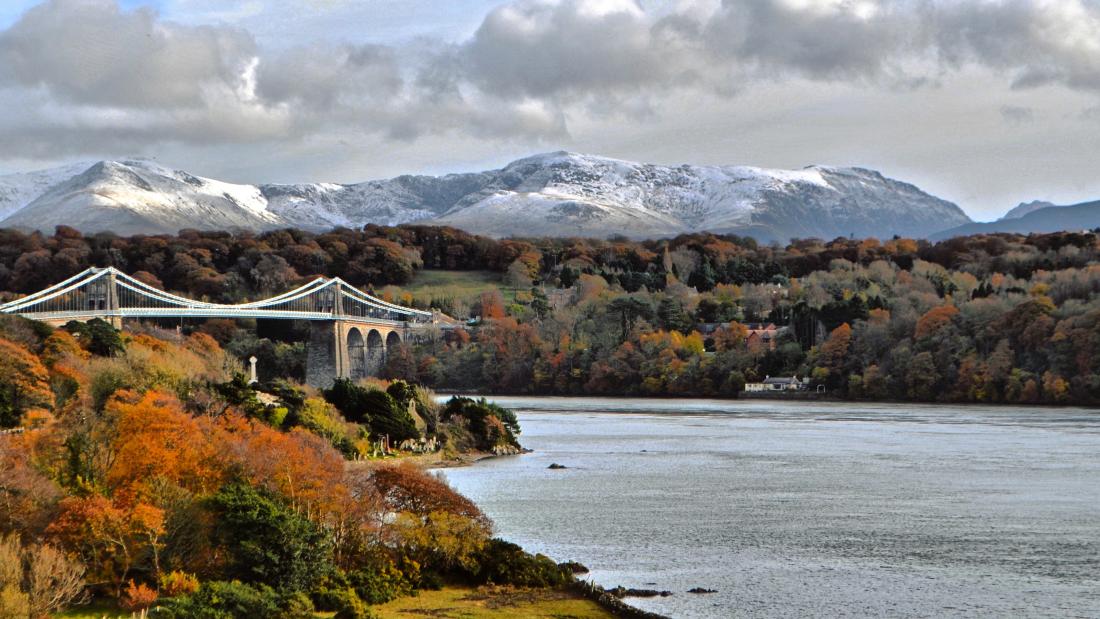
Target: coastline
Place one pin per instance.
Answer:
(587, 589)
(764, 396)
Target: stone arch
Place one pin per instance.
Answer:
(376, 352)
(357, 354)
(393, 339)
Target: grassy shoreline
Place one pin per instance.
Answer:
(457, 602)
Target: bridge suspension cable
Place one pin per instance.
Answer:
(108, 292)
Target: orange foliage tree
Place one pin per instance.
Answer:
(109, 538)
(157, 441)
(24, 383)
(934, 319)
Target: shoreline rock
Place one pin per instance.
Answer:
(612, 604)
(623, 592)
(557, 467)
(573, 567)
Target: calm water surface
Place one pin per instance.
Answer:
(809, 509)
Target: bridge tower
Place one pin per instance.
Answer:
(113, 305)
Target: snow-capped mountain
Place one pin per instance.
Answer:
(570, 194)
(134, 197)
(18, 190)
(554, 194)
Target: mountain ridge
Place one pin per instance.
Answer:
(1081, 216)
(549, 194)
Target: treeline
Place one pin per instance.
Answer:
(227, 267)
(142, 470)
(991, 318)
(981, 319)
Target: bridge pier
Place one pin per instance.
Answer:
(347, 349)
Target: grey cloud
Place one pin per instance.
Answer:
(570, 48)
(129, 81)
(1016, 114)
(545, 49)
(1091, 113)
(102, 78)
(1035, 42)
(824, 41)
(322, 77)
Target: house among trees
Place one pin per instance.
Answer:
(761, 336)
(778, 383)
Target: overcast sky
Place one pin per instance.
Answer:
(986, 103)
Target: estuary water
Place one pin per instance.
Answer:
(805, 509)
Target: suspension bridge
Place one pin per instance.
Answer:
(350, 330)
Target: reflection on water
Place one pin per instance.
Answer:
(810, 509)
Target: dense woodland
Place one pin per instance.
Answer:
(996, 318)
(143, 469)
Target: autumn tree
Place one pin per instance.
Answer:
(156, 442)
(491, 305)
(406, 488)
(934, 320)
(28, 497)
(53, 580)
(110, 539)
(730, 336)
(833, 356)
(24, 383)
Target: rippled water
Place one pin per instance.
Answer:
(809, 509)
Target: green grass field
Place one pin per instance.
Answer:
(492, 603)
(447, 603)
(463, 286)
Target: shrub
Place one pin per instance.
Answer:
(267, 541)
(505, 563)
(138, 597)
(344, 602)
(222, 600)
(381, 579)
(178, 583)
(406, 488)
(445, 541)
(13, 602)
(97, 336)
(491, 425)
(373, 407)
(296, 605)
(322, 419)
(38, 578)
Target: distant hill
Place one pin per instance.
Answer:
(552, 194)
(1084, 216)
(1024, 208)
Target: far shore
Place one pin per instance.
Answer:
(797, 396)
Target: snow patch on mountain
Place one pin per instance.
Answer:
(18, 190)
(557, 194)
(131, 197)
